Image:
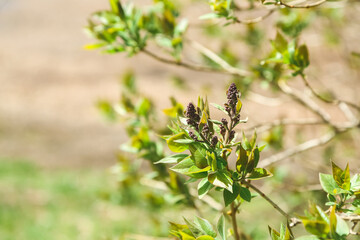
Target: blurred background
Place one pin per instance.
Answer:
(56, 148)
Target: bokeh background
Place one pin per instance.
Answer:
(55, 147)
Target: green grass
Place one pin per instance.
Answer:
(42, 204)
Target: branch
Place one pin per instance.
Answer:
(217, 59)
(310, 5)
(262, 127)
(233, 221)
(298, 149)
(305, 101)
(334, 101)
(267, 199)
(255, 20)
(183, 64)
(260, 99)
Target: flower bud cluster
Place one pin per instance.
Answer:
(193, 136)
(192, 115)
(233, 98)
(214, 141)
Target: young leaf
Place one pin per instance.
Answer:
(205, 237)
(328, 184)
(204, 187)
(204, 226)
(173, 158)
(176, 146)
(242, 160)
(342, 178)
(230, 197)
(280, 43)
(221, 179)
(221, 108)
(308, 237)
(341, 227)
(245, 194)
(355, 183)
(221, 227)
(259, 173)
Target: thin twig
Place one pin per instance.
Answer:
(263, 100)
(263, 195)
(310, 5)
(233, 221)
(334, 101)
(261, 127)
(183, 64)
(216, 58)
(305, 101)
(255, 20)
(298, 149)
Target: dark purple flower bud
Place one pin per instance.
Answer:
(222, 130)
(231, 135)
(237, 119)
(227, 108)
(224, 122)
(193, 136)
(214, 141)
(193, 117)
(232, 96)
(205, 130)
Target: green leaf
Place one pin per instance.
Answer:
(238, 106)
(342, 178)
(204, 187)
(242, 159)
(259, 173)
(175, 146)
(280, 43)
(185, 236)
(199, 157)
(308, 237)
(333, 221)
(246, 144)
(316, 227)
(173, 158)
(341, 227)
(221, 227)
(328, 184)
(302, 57)
(204, 226)
(205, 237)
(187, 167)
(230, 197)
(114, 6)
(94, 46)
(221, 179)
(184, 141)
(355, 183)
(274, 234)
(245, 194)
(221, 108)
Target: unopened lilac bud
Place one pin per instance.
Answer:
(193, 136)
(232, 96)
(237, 119)
(224, 122)
(205, 130)
(231, 135)
(222, 130)
(193, 117)
(214, 141)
